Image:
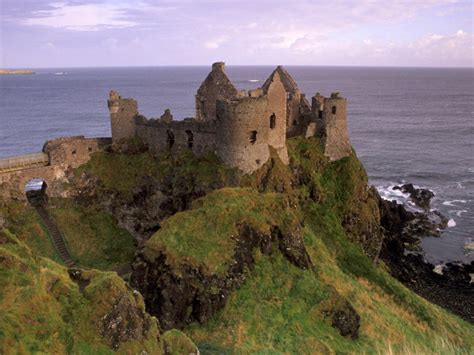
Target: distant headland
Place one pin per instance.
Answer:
(18, 72)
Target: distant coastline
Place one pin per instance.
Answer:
(18, 72)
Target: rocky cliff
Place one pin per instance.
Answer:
(287, 259)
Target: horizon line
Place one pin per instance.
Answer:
(236, 65)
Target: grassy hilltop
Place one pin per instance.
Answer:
(283, 261)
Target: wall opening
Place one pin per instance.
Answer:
(35, 190)
(333, 110)
(253, 137)
(190, 139)
(320, 114)
(170, 138)
(272, 121)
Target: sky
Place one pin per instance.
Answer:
(96, 33)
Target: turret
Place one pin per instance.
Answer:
(122, 116)
(331, 120)
(217, 86)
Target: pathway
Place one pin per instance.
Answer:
(56, 236)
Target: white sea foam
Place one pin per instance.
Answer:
(460, 212)
(452, 202)
(451, 223)
(388, 193)
(254, 80)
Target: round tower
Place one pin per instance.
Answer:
(122, 116)
(335, 136)
(242, 138)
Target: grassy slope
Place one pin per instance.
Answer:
(203, 235)
(43, 311)
(92, 236)
(278, 309)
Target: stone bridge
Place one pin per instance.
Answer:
(53, 166)
(23, 162)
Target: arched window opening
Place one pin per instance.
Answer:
(253, 137)
(190, 139)
(333, 110)
(320, 113)
(272, 121)
(35, 190)
(170, 138)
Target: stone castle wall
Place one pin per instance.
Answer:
(199, 136)
(248, 126)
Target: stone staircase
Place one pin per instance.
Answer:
(56, 236)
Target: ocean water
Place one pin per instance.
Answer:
(407, 124)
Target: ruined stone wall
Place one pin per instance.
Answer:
(277, 111)
(122, 117)
(159, 135)
(333, 128)
(217, 86)
(73, 151)
(246, 127)
(64, 155)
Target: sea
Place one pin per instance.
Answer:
(408, 125)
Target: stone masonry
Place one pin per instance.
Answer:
(239, 126)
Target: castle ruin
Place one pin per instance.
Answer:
(239, 126)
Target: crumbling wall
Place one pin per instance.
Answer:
(216, 86)
(73, 151)
(276, 117)
(122, 117)
(164, 135)
(64, 155)
(298, 110)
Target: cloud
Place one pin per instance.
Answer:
(450, 48)
(81, 17)
(216, 42)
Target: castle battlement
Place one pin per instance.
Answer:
(239, 126)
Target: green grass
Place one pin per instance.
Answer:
(25, 223)
(184, 172)
(279, 308)
(43, 311)
(93, 237)
(204, 236)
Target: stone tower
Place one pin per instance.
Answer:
(331, 121)
(122, 116)
(248, 126)
(216, 86)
